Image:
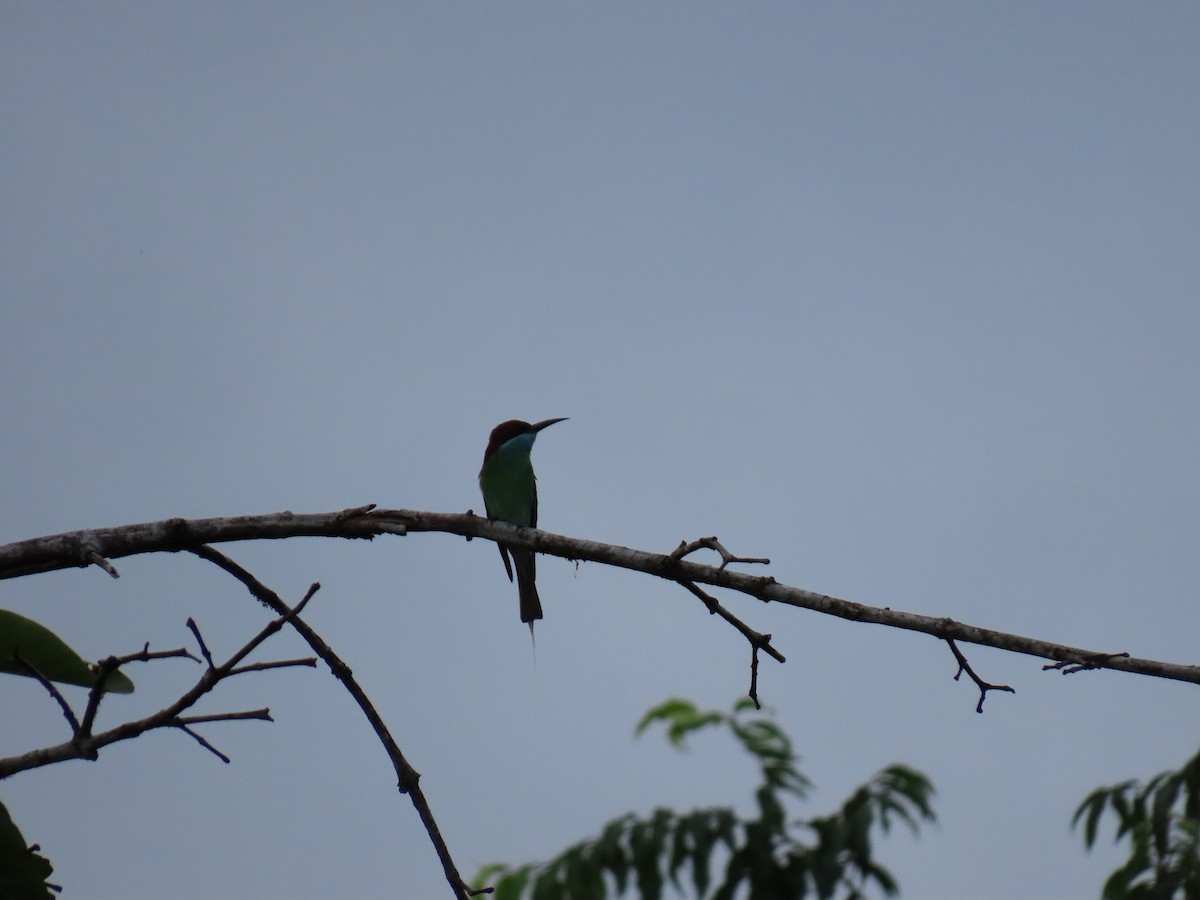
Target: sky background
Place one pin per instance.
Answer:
(904, 296)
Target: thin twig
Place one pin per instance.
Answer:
(52, 689)
(184, 723)
(1086, 663)
(200, 739)
(309, 661)
(261, 715)
(756, 638)
(711, 543)
(754, 676)
(195, 629)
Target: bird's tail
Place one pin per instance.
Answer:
(531, 603)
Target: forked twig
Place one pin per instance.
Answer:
(984, 687)
(758, 640)
(686, 548)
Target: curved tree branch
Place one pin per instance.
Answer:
(407, 778)
(78, 548)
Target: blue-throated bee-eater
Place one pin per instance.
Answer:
(510, 495)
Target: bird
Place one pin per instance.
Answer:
(510, 495)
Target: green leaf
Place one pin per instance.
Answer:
(899, 791)
(546, 887)
(645, 847)
(610, 853)
(664, 819)
(1120, 884)
(681, 718)
(681, 844)
(23, 640)
(582, 878)
(1093, 807)
(23, 872)
(770, 810)
(764, 740)
(488, 873)
(823, 862)
(736, 871)
(706, 827)
(1190, 773)
(512, 885)
(744, 704)
(1120, 805)
(667, 711)
(887, 883)
(1164, 798)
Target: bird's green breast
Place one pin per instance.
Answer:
(508, 486)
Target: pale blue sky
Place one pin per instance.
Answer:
(904, 296)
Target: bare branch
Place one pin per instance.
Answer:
(64, 551)
(767, 589)
(407, 778)
(74, 548)
(111, 664)
(85, 745)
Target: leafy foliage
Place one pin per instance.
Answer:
(24, 644)
(23, 872)
(1161, 819)
(765, 857)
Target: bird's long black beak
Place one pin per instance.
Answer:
(545, 424)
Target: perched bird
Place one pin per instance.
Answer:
(510, 495)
